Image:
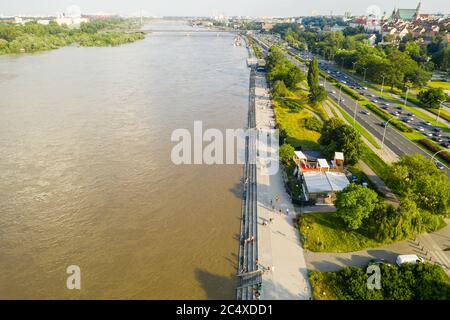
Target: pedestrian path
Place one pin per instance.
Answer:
(432, 247)
(280, 254)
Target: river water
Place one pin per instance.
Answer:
(86, 177)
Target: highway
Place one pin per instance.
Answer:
(394, 140)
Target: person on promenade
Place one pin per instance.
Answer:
(287, 211)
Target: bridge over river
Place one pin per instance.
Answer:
(179, 31)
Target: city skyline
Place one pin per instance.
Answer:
(218, 7)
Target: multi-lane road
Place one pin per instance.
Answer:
(394, 140)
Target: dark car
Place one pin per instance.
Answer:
(377, 261)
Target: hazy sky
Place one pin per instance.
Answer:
(215, 7)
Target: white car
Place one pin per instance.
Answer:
(408, 258)
(439, 165)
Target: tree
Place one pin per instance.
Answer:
(417, 177)
(339, 137)
(286, 154)
(279, 89)
(354, 204)
(432, 97)
(317, 93)
(281, 69)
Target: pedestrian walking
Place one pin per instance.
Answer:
(287, 211)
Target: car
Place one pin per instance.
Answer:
(377, 261)
(408, 258)
(429, 134)
(420, 129)
(365, 88)
(399, 108)
(409, 114)
(375, 100)
(445, 145)
(366, 112)
(438, 134)
(437, 139)
(373, 96)
(439, 165)
(435, 129)
(384, 107)
(387, 104)
(383, 124)
(333, 92)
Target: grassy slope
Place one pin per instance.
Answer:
(327, 233)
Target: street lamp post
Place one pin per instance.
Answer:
(365, 70)
(382, 87)
(434, 155)
(439, 113)
(384, 132)
(406, 97)
(339, 99)
(354, 114)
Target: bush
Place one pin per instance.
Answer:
(312, 123)
(422, 281)
(433, 148)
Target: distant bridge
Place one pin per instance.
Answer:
(179, 31)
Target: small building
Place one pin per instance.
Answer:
(320, 181)
(320, 187)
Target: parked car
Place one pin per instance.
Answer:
(439, 165)
(377, 261)
(421, 129)
(408, 258)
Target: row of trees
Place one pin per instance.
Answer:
(424, 192)
(422, 281)
(407, 64)
(34, 37)
(281, 69)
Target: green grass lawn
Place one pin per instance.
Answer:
(298, 136)
(291, 120)
(324, 285)
(377, 164)
(326, 232)
(439, 84)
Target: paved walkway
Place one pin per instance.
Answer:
(379, 183)
(433, 247)
(279, 246)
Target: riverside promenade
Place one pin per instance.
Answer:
(280, 254)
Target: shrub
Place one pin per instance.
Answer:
(433, 148)
(312, 123)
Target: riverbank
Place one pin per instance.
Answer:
(33, 37)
